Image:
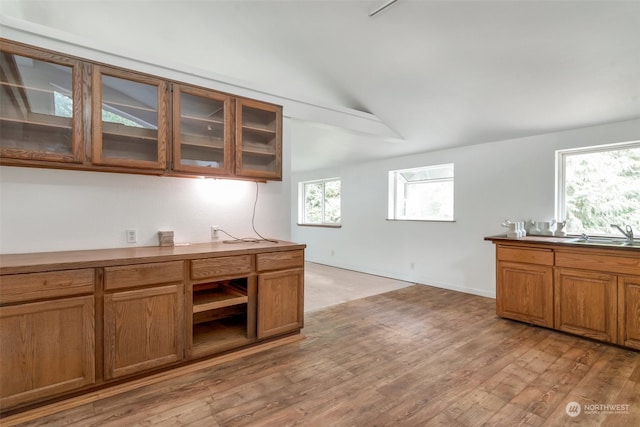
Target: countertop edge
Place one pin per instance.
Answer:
(559, 242)
(92, 258)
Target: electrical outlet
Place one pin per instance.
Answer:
(132, 236)
(214, 231)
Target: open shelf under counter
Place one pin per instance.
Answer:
(224, 332)
(222, 296)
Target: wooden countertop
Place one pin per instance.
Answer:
(50, 261)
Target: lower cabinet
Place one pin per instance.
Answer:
(63, 331)
(280, 302)
(592, 292)
(48, 348)
(586, 303)
(525, 292)
(143, 328)
(629, 311)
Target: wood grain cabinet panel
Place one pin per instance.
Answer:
(525, 292)
(34, 286)
(279, 260)
(208, 268)
(143, 329)
(619, 263)
(525, 255)
(127, 276)
(47, 348)
(280, 302)
(629, 311)
(586, 303)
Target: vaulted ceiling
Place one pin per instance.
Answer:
(436, 73)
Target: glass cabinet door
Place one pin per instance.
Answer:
(201, 131)
(258, 139)
(129, 117)
(40, 105)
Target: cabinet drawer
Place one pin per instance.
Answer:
(128, 276)
(612, 263)
(32, 286)
(280, 260)
(220, 266)
(526, 255)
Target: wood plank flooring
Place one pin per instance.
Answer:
(417, 356)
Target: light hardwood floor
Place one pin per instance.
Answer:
(416, 356)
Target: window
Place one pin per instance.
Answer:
(422, 193)
(597, 187)
(320, 202)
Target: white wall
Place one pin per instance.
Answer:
(49, 210)
(508, 179)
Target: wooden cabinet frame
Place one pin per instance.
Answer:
(595, 291)
(22, 157)
(125, 314)
(88, 145)
(525, 292)
(629, 311)
(40, 358)
(158, 325)
(586, 303)
(97, 146)
(227, 143)
(280, 302)
(243, 169)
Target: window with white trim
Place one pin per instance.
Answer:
(424, 193)
(319, 202)
(599, 186)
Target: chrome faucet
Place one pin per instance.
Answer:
(628, 231)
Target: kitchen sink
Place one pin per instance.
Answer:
(605, 241)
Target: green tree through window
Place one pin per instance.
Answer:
(601, 187)
(321, 202)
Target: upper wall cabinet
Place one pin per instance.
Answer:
(129, 119)
(63, 112)
(258, 140)
(202, 131)
(40, 105)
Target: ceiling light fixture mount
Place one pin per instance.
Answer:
(383, 7)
